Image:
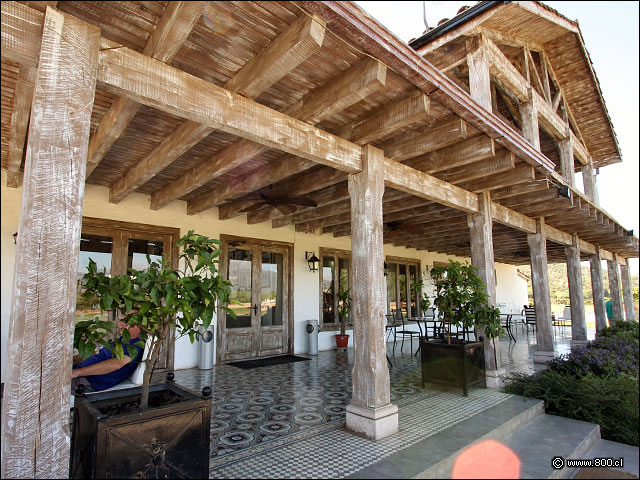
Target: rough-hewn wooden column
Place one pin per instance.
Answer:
(370, 412)
(541, 298)
(529, 115)
(627, 293)
(590, 183)
(480, 229)
(35, 408)
(479, 77)
(597, 287)
(614, 289)
(576, 296)
(565, 148)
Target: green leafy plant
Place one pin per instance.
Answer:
(344, 307)
(417, 287)
(158, 300)
(461, 300)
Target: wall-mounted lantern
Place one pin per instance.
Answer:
(313, 261)
(15, 238)
(386, 269)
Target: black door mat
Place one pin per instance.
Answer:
(265, 362)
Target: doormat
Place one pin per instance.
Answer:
(265, 362)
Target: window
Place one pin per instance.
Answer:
(334, 277)
(402, 274)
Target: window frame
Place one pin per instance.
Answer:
(337, 256)
(407, 262)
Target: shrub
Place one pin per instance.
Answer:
(621, 329)
(611, 402)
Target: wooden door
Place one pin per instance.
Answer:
(260, 275)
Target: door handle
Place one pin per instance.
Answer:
(255, 309)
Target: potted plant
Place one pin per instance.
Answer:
(462, 303)
(424, 301)
(344, 308)
(159, 430)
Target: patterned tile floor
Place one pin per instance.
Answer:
(264, 408)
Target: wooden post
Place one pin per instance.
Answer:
(574, 275)
(541, 298)
(598, 290)
(529, 115)
(479, 78)
(614, 289)
(370, 412)
(590, 184)
(35, 408)
(480, 230)
(565, 148)
(627, 291)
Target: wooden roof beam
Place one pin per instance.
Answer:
(172, 31)
(521, 174)
(503, 162)
(21, 111)
(458, 155)
(292, 47)
(356, 83)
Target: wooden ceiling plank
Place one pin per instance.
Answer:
(299, 41)
(21, 110)
(504, 161)
(21, 33)
(171, 32)
(361, 79)
(424, 140)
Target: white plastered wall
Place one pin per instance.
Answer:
(135, 208)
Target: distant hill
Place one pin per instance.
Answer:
(559, 286)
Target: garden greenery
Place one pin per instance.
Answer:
(597, 383)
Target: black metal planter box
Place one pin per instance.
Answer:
(456, 364)
(170, 441)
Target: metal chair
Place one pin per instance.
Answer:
(564, 320)
(530, 317)
(399, 316)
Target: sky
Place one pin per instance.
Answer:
(610, 32)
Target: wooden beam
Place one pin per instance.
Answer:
(504, 73)
(22, 97)
(531, 198)
(171, 32)
(529, 117)
(520, 174)
(21, 33)
(422, 185)
(125, 72)
(458, 155)
(516, 190)
(41, 6)
(511, 218)
(299, 41)
(503, 162)
(426, 139)
(390, 117)
(550, 120)
(35, 407)
(362, 78)
(579, 150)
(479, 75)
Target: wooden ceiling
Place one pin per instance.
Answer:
(319, 76)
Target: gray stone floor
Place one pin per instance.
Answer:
(264, 408)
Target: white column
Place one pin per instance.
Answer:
(627, 291)
(598, 290)
(35, 408)
(541, 297)
(574, 275)
(370, 412)
(480, 230)
(614, 289)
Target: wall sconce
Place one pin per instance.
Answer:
(15, 238)
(314, 262)
(386, 268)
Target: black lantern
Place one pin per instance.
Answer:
(386, 268)
(314, 262)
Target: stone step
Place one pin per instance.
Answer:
(435, 456)
(615, 450)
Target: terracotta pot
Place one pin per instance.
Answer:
(342, 341)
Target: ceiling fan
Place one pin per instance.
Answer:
(286, 204)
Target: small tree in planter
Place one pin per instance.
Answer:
(462, 302)
(344, 308)
(169, 439)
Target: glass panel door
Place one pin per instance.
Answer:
(98, 248)
(271, 289)
(240, 274)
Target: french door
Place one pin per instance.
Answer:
(260, 278)
(116, 247)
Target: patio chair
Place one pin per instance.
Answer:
(390, 328)
(530, 317)
(399, 317)
(564, 320)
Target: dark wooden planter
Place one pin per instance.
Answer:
(170, 441)
(456, 364)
